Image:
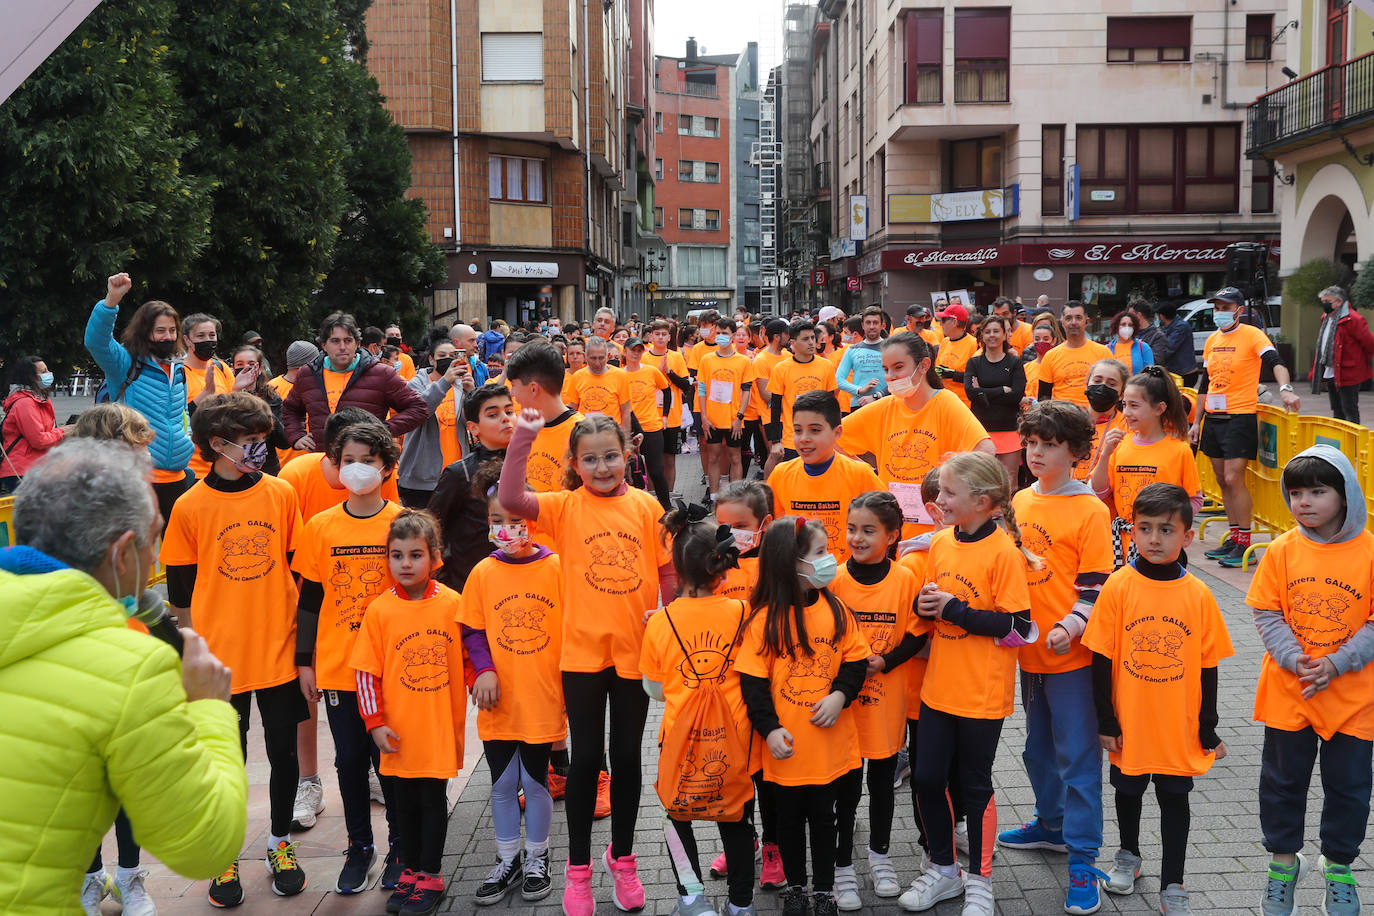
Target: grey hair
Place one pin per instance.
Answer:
(595, 341)
(606, 309)
(83, 496)
(1334, 291)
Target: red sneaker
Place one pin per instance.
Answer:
(771, 874)
(557, 784)
(603, 796)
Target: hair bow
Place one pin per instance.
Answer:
(1156, 371)
(694, 511)
(725, 546)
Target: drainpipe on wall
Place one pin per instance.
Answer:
(453, 89)
(587, 136)
(1226, 54)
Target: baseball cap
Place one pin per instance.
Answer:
(917, 311)
(776, 326)
(250, 336)
(1228, 294)
(956, 311)
(300, 353)
(634, 342)
(829, 312)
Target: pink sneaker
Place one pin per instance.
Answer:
(718, 869)
(577, 891)
(628, 895)
(771, 874)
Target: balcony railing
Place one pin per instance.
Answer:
(1322, 100)
(704, 90)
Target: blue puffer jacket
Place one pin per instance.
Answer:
(161, 401)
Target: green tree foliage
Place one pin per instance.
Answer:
(1302, 287)
(1362, 290)
(93, 179)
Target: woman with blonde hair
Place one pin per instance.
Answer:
(116, 421)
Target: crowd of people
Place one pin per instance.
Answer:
(898, 521)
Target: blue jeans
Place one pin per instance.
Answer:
(1063, 758)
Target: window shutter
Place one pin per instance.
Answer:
(513, 57)
(698, 219)
(1149, 32)
(982, 34)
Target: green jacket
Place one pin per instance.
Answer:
(93, 716)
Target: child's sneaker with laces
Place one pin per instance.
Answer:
(309, 804)
(536, 883)
(391, 869)
(1084, 895)
(628, 893)
(577, 891)
(1342, 893)
(883, 876)
(978, 899)
(95, 888)
(823, 904)
(499, 881)
(903, 768)
(1281, 887)
(357, 863)
(930, 888)
(793, 901)
(1125, 869)
(133, 896)
(226, 891)
(700, 906)
(1034, 835)
(771, 874)
(288, 878)
(1173, 901)
(846, 893)
(425, 897)
(405, 884)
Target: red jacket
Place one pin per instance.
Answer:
(374, 387)
(1352, 350)
(28, 432)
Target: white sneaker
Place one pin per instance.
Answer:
(883, 876)
(961, 837)
(134, 896)
(94, 889)
(929, 889)
(374, 787)
(309, 803)
(847, 890)
(978, 899)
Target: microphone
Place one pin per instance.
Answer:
(154, 614)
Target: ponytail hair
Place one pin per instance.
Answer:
(916, 347)
(702, 552)
(885, 509)
(589, 426)
(778, 594)
(1159, 388)
(416, 524)
(985, 476)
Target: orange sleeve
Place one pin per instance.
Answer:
(751, 658)
(651, 652)
(367, 648)
(1267, 592)
(179, 542)
(305, 562)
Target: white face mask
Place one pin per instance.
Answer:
(1125, 332)
(902, 385)
(745, 538)
(359, 477)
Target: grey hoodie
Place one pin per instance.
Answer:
(1279, 641)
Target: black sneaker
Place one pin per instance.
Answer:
(288, 878)
(425, 897)
(226, 891)
(392, 869)
(357, 863)
(1231, 556)
(1221, 550)
(499, 881)
(793, 901)
(537, 883)
(824, 905)
(405, 886)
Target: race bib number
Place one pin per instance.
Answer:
(1216, 403)
(721, 393)
(913, 507)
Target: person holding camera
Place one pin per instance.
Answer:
(440, 439)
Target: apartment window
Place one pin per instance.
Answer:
(712, 219)
(751, 254)
(1258, 28)
(1052, 169)
(707, 127)
(684, 218)
(712, 172)
(700, 266)
(698, 218)
(514, 178)
(982, 48)
(925, 45)
(697, 170)
(975, 164)
(684, 124)
(512, 57)
(1160, 169)
(658, 217)
(1262, 187)
(658, 122)
(1149, 39)
(658, 169)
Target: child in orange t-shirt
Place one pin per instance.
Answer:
(978, 598)
(405, 658)
(1157, 635)
(692, 642)
(226, 551)
(802, 663)
(1311, 597)
(513, 603)
(342, 562)
(882, 597)
(615, 570)
(1070, 529)
(747, 507)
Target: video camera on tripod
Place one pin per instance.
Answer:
(1247, 269)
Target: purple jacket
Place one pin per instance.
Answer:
(374, 387)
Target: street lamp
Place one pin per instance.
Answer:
(653, 262)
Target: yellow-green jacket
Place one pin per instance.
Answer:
(93, 716)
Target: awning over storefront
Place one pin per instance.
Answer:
(1130, 252)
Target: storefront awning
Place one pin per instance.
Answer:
(1130, 253)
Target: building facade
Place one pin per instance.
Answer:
(1030, 149)
(523, 136)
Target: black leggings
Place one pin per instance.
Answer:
(124, 839)
(652, 450)
(281, 709)
(975, 742)
(738, 839)
(956, 786)
(1174, 820)
(767, 807)
(586, 695)
(756, 444)
(881, 802)
(802, 809)
(422, 821)
(168, 493)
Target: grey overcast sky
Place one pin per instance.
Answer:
(722, 26)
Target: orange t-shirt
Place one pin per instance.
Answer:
(711, 629)
(569, 393)
(334, 385)
(1067, 368)
(1323, 591)
(313, 491)
(282, 386)
(824, 497)
(610, 553)
(407, 366)
(601, 394)
(1159, 636)
(195, 384)
(347, 556)
(677, 366)
(954, 356)
(1032, 370)
(1233, 366)
(549, 455)
(906, 444)
(1073, 535)
(244, 603)
(884, 613)
(1083, 470)
(739, 582)
(764, 361)
(1133, 467)
(520, 606)
(915, 562)
(416, 648)
(844, 397)
(972, 676)
(648, 388)
(452, 427)
(696, 351)
(1022, 336)
(721, 377)
(931, 336)
(797, 683)
(790, 378)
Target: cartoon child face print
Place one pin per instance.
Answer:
(424, 665)
(1318, 617)
(1155, 654)
(910, 456)
(705, 661)
(523, 629)
(614, 567)
(809, 678)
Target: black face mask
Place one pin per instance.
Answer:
(205, 349)
(394, 341)
(1103, 397)
(441, 365)
(1328, 307)
(162, 349)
